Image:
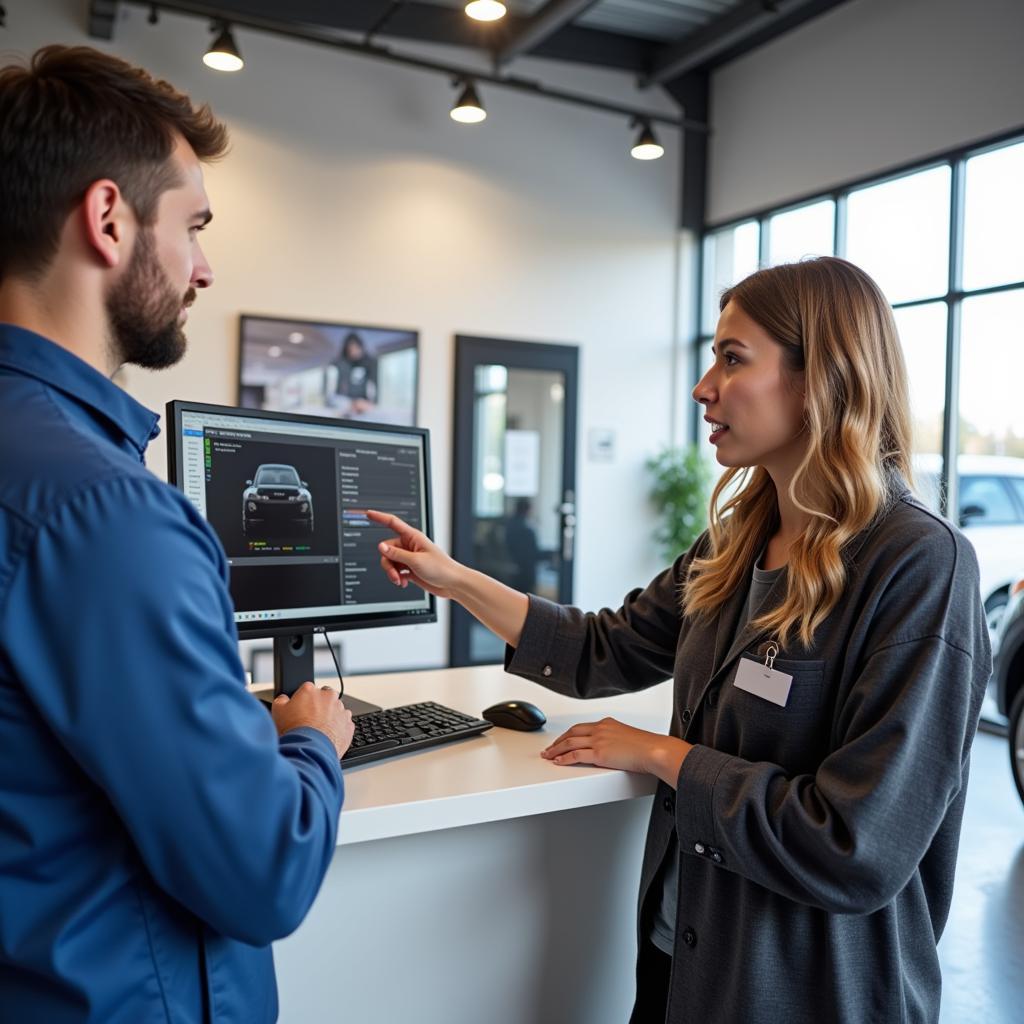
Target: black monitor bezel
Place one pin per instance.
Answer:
(324, 623)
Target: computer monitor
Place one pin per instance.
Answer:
(287, 495)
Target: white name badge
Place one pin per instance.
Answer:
(763, 681)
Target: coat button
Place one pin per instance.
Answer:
(699, 848)
(690, 937)
(686, 715)
(547, 670)
(716, 856)
(669, 804)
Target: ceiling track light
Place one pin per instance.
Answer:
(468, 109)
(646, 146)
(154, 15)
(457, 75)
(3, 16)
(223, 53)
(485, 10)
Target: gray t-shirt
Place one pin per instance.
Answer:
(663, 926)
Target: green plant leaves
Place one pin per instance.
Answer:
(680, 493)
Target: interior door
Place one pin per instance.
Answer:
(514, 503)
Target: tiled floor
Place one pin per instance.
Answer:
(982, 950)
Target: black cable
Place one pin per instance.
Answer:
(337, 665)
(383, 20)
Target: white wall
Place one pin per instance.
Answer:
(872, 84)
(349, 194)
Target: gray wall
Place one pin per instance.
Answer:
(873, 84)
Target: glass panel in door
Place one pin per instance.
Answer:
(522, 520)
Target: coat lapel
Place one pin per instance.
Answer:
(728, 644)
(728, 617)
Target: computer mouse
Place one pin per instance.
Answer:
(515, 714)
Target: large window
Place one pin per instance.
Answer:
(898, 232)
(729, 256)
(992, 374)
(994, 227)
(944, 242)
(922, 331)
(804, 231)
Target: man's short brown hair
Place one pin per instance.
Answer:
(75, 116)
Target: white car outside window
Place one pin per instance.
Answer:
(991, 515)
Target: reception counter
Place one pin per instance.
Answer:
(476, 881)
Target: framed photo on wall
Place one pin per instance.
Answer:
(328, 369)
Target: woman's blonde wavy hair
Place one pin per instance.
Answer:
(837, 332)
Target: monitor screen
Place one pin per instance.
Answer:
(288, 496)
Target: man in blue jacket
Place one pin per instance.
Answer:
(156, 831)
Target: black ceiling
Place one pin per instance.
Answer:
(719, 31)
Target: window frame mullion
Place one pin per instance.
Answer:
(951, 404)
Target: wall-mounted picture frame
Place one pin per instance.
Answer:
(328, 369)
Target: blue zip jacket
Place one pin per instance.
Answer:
(155, 833)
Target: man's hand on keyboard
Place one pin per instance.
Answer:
(318, 709)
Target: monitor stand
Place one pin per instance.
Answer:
(293, 666)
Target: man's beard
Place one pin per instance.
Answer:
(143, 312)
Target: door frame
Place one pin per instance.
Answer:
(470, 352)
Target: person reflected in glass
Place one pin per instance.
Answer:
(357, 375)
(522, 547)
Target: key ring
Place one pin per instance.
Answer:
(770, 654)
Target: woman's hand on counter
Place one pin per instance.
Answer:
(612, 744)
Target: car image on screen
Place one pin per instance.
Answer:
(277, 502)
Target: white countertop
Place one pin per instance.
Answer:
(492, 777)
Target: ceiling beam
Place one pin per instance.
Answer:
(692, 93)
(579, 45)
(735, 32)
(102, 18)
(427, 23)
(315, 34)
(538, 27)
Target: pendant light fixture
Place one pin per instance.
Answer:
(485, 10)
(468, 109)
(646, 146)
(223, 54)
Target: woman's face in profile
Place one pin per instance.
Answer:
(755, 405)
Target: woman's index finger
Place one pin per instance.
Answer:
(407, 535)
(387, 519)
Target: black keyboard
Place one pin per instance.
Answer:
(410, 727)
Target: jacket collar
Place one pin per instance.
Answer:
(32, 355)
(729, 645)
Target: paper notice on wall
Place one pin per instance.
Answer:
(601, 444)
(522, 463)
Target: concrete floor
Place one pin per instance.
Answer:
(982, 949)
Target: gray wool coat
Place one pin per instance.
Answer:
(817, 841)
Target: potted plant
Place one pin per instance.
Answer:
(680, 493)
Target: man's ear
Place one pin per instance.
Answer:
(108, 222)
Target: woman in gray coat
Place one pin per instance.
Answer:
(829, 655)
